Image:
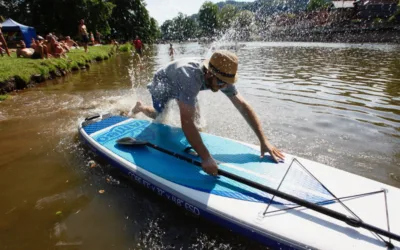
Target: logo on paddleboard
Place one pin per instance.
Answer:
(132, 129)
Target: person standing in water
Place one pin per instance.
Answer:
(138, 45)
(182, 80)
(171, 50)
(84, 34)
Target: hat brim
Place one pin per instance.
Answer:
(229, 80)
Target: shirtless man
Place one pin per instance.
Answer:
(56, 48)
(23, 51)
(115, 44)
(3, 43)
(39, 51)
(84, 34)
(71, 43)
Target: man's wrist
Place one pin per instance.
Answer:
(205, 156)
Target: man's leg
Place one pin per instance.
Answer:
(149, 111)
(152, 112)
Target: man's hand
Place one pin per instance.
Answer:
(193, 136)
(275, 153)
(210, 166)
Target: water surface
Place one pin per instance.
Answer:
(338, 104)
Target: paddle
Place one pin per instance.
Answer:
(129, 141)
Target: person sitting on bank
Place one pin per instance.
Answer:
(23, 51)
(39, 51)
(114, 44)
(71, 43)
(182, 80)
(56, 49)
(33, 43)
(3, 43)
(43, 43)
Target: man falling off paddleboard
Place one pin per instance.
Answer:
(183, 80)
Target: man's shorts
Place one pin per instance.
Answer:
(36, 55)
(85, 38)
(139, 51)
(159, 104)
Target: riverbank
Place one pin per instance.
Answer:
(337, 35)
(21, 73)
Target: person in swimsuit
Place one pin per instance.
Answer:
(3, 43)
(70, 43)
(84, 34)
(23, 51)
(138, 45)
(171, 50)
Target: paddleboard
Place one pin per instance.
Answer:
(275, 222)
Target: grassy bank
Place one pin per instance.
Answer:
(24, 68)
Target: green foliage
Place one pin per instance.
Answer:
(130, 19)
(208, 18)
(155, 32)
(120, 19)
(180, 28)
(125, 47)
(243, 24)
(3, 97)
(314, 5)
(226, 16)
(62, 16)
(377, 21)
(396, 15)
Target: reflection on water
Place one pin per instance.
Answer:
(338, 104)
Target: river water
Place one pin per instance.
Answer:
(338, 104)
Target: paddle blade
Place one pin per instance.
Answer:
(130, 141)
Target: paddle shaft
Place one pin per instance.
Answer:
(339, 216)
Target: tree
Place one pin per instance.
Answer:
(180, 28)
(208, 18)
(244, 24)
(154, 30)
(166, 30)
(48, 15)
(226, 16)
(314, 5)
(130, 19)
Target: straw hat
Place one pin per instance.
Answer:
(223, 64)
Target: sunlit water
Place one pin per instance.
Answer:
(338, 104)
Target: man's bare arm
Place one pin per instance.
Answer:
(187, 113)
(252, 119)
(249, 115)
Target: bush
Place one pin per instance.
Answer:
(125, 47)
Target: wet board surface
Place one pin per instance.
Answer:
(236, 158)
(242, 208)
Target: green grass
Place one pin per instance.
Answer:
(125, 47)
(3, 97)
(24, 68)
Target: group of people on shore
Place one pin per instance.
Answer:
(51, 47)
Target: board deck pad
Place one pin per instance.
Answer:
(236, 158)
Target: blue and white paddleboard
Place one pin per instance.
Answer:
(242, 208)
